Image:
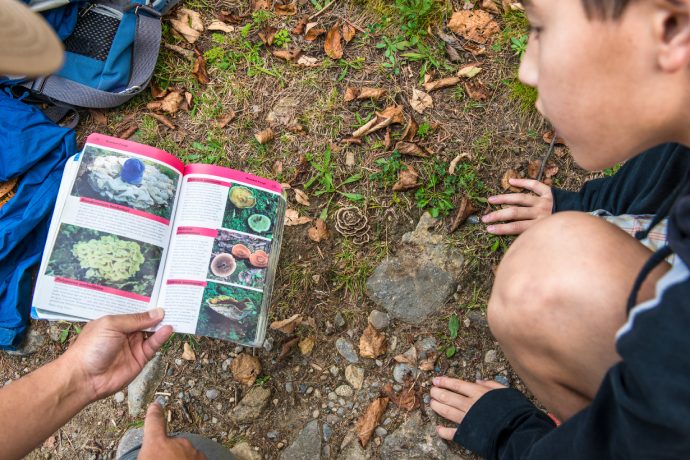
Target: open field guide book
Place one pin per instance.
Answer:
(135, 229)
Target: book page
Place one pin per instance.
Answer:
(223, 254)
(107, 247)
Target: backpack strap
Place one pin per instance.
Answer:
(145, 54)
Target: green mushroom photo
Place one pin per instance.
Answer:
(108, 260)
(251, 210)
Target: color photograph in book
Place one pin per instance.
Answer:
(239, 259)
(251, 210)
(120, 179)
(229, 313)
(104, 259)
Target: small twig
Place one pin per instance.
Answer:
(188, 54)
(353, 24)
(320, 12)
(546, 157)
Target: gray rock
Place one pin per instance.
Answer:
(502, 379)
(32, 342)
(352, 450)
(226, 364)
(426, 345)
(54, 331)
(285, 111)
(339, 321)
(272, 435)
(251, 406)
(212, 394)
(119, 397)
(490, 357)
(334, 370)
(243, 451)
(477, 318)
(141, 391)
(289, 387)
(381, 431)
(345, 391)
(307, 444)
(327, 432)
(380, 320)
(346, 350)
(354, 376)
(332, 396)
(268, 344)
(415, 440)
(401, 370)
(418, 281)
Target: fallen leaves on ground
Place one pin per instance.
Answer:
(510, 174)
(264, 137)
(548, 137)
(391, 115)
(222, 120)
(245, 369)
(257, 5)
(188, 24)
(311, 32)
(293, 218)
(163, 119)
(454, 162)
(289, 9)
(447, 82)
(476, 90)
(318, 232)
(267, 34)
(127, 132)
(464, 210)
(409, 357)
(200, 71)
(407, 179)
(301, 26)
(306, 345)
(407, 399)
(490, 6)
(220, 26)
(352, 93)
(429, 363)
(476, 25)
(349, 32)
(98, 117)
(287, 326)
(469, 71)
(187, 352)
(170, 103)
(372, 344)
(549, 171)
(287, 347)
(367, 422)
(308, 61)
(410, 130)
(301, 197)
(421, 101)
(333, 45)
(289, 54)
(412, 149)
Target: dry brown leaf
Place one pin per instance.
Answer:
(188, 100)
(319, 231)
(222, 120)
(127, 132)
(289, 54)
(333, 45)
(260, 5)
(264, 137)
(533, 169)
(412, 149)
(421, 101)
(387, 141)
(287, 347)
(476, 90)
(277, 167)
(187, 352)
(407, 399)
(245, 369)
(286, 10)
(348, 32)
(200, 71)
(510, 174)
(170, 103)
(469, 70)
(301, 197)
(429, 363)
(99, 117)
(220, 26)
(267, 34)
(560, 151)
(163, 119)
(352, 93)
(288, 325)
(454, 162)
(391, 115)
(308, 61)
(407, 179)
(293, 218)
(367, 422)
(301, 26)
(311, 32)
(550, 170)
(306, 345)
(410, 130)
(548, 137)
(490, 6)
(453, 55)
(188, 24)
(372, 344)
(475, 25)
(157, 92)
(409, 357)
(463, 212)
(440, 84)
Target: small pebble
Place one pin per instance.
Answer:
(387, 421)
(119, 397)
(427, 398)
(334, 370)
(212, 394)
(339, 321)
(272, 435)
(397, 387)
(345, 391)
(381, 431)
(332, 396)
(268, 344)
(502, 379)
(214, 420)
(327, 433)
(340, 412)
(310, 390)
(490, 357)
(315, 414)
(289, 387)
(380, 320)
(226, 364)
(178, 361)
(280, 445)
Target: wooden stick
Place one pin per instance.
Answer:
(353, 24)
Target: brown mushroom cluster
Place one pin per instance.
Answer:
(351, 222)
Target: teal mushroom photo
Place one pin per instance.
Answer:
(259, 223)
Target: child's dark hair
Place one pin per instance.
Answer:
(605, 9)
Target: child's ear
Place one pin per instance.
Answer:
(672, 30)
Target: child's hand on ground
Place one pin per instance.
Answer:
(452, 398)
(524, 210)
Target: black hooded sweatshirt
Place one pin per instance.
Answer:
(642, 408)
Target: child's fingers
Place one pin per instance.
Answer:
(511, 228)
(510, 214)
(450, 398)
(447, 412)
(494, 385)
(520, 199)
(446, 433)
(530, 184)
(458, 386)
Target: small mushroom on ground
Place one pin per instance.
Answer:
(242, 197)
(240, 251)
(259, 259)
(223, 265)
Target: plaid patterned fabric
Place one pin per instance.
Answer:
(632, 224)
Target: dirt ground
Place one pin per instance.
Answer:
(319, 280)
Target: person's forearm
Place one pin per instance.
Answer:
(35, 406)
